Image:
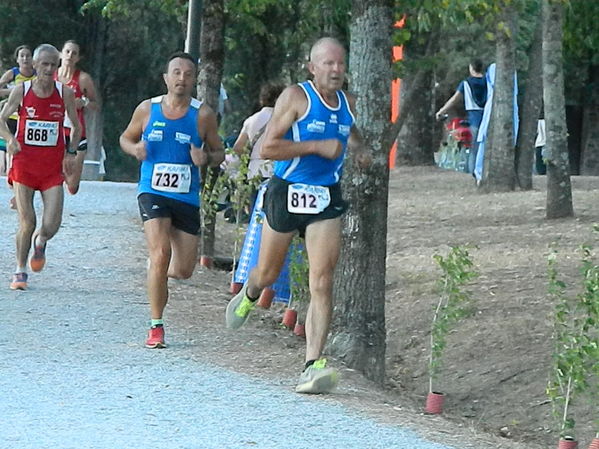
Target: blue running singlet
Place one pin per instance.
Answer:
(168, 169)
(319, 122)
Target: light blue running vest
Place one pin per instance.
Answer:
(169, 141)
(319, 122)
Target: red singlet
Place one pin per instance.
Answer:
(74, 84)
(40, 133)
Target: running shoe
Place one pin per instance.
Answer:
(38, 259)
(317, 378)
(19, 281)
(238, 309)
(156, 338)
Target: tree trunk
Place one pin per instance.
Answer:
(212, 54)
(590, 127)
(94, 120)
(559, 188)
(499, 173)
(531, 109)
(415, 139)
(359, 336)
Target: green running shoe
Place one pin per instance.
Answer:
(238, 309)
(317, 378)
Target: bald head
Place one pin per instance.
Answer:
(323, 45)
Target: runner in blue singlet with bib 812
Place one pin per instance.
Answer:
(311, 128)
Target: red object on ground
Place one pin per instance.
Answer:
(300, 331)
(235, 287)
(594, 444)
(567, 444)
(206, 261)
(266, 298)
(289, 318)
(434, 403)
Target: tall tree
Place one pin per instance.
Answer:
(531, 108)
(415, 139)
(590, 125)
(359, 336)
(499, 164)
(212, 55)
(559, 188)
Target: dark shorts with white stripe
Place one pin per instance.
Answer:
(184, 216)
(281, 220)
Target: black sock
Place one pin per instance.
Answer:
(250, 298)
(309, 363)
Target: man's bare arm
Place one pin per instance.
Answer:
(292, 103)
(130, 139)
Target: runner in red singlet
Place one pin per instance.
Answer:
(85, 98)
(39, 157)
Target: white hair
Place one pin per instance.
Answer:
(47, 48)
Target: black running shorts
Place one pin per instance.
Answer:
(281, 220)
(184, 216)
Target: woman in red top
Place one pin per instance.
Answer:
(85, 98)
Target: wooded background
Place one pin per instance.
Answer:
(552, 44)
(125, 42)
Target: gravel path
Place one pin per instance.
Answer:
(74, 372)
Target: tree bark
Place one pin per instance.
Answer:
(559, 188)
(590, 127)
(212, 55)
(531, 109)
(359, 336)
(415, 139)
(499, 174)
(94, 120)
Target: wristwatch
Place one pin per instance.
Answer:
(72, 152)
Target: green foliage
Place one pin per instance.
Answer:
(454, 302)
(576, 339)
(126, 8)
(299, 271)
(214, 185)
(241, 189)
(29, 22)
(581, 34)
(269, 40)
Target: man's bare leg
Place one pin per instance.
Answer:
(323, 242)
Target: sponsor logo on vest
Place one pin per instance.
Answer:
(333, 118)
(344, 130)
(155, 135)
(182, 138)
(316, 126)
(157, 123)
(30, 111)
(52, 105)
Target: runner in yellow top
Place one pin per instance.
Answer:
(24, 71)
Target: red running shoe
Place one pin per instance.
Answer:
(19, 281)
(156, 338)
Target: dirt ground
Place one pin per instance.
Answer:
(497, 361)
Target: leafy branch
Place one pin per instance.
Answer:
(453, 305)
(575, 337)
